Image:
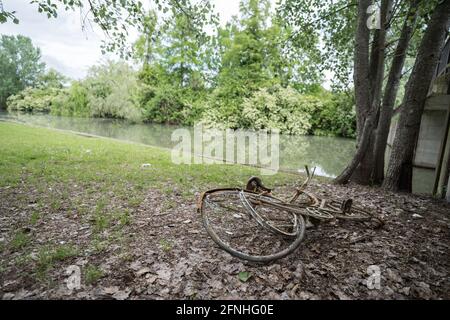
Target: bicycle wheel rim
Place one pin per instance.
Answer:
(242, 255)
(266, 224)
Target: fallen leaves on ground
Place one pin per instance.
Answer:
(164, 252)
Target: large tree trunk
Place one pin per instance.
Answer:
(368, 79)
(399, 173)
(364, 170)
(390, 93)
(361, 68)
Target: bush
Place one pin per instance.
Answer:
(279, 108)
(286, 110)
(111, 92)
(34, 100)
(164, 105)
(276, 107)
(337, 117)
(222, 112)
(171, 105)
(108, 92)
(72, 102)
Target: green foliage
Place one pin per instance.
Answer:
(92, 274)
(250, 74)
(51, 79)
(279, 108)
(111, 90)
(336, 117)
(34, 218)
(165, 106)
(244, 276)
(290, 112)
(144, 49)
(164, 102)
(115, 18)
(182, 54)
(20, 65)
(48, 95)
(34, 100)
(72, 101)
(166, 245)
(108, 91)
(20, 240)
(252, 57)
(172, 82)
(332, 21)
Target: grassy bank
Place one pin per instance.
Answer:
(34, 155)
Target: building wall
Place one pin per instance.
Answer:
(429, 143)
(428, 155)
(431, 133)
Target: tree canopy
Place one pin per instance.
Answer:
(191, 71)
(20, 65)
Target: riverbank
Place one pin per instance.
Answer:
(328, 154)
(132, 230)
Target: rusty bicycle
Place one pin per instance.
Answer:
(254, 225)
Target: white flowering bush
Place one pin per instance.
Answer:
(34, 100)
(222, 113)
(284, 109)
(279, 108)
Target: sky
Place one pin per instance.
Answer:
(64, 45)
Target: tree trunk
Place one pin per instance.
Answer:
(364, 170)
(361, 68)
(361, 166)
(361, 151)
(399, 173)
(390, 93)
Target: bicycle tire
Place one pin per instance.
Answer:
(242, 255)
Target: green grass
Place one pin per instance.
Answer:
(48, 255)
(92, 274)
(39, 155)
(165, 245)
(34, 218)
(99, 245)
(20, 240)
(122, 217)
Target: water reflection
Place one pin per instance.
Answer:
(328, 154)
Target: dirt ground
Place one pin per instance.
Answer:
(167, 254)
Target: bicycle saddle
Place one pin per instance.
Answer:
(255, 184)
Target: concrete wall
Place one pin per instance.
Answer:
(423, 181)
(431, 134)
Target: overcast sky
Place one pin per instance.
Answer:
(65, 46)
